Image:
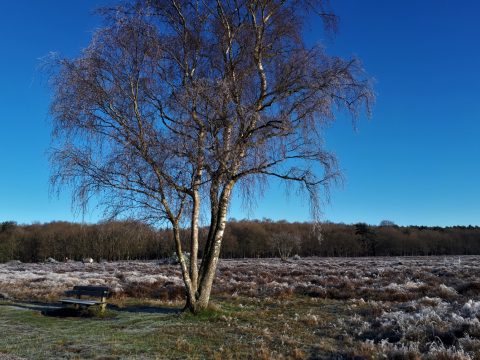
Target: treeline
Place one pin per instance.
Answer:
(267, 238)
(60, 240)
(122, 240)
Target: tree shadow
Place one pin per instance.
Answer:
(147, 310)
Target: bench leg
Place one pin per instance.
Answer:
(77, 306)
(103, 305)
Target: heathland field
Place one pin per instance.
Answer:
(313, 308)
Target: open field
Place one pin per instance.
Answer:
(315, 308)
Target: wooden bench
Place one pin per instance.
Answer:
(101, 292)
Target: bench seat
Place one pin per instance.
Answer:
(81, 302)
(101, 292)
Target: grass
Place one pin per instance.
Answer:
(369, 308)
(296, 328)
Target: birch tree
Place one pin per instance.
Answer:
(174, 104)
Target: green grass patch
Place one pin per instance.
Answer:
(297, 328)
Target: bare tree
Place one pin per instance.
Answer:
(387, 223)
(285, 243)
(174, 103)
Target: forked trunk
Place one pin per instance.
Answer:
(210, 259)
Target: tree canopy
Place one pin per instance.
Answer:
(175, 103)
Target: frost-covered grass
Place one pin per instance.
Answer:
(240, 328)
(332, 308)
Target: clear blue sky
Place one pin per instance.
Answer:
(415, 162)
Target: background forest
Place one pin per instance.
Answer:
(130, 240)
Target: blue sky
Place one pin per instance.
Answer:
(416, 161)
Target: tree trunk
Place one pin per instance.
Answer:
(211, 259)
(185, 273)
(196, 208)
(194, 242)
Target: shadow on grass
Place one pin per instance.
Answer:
(32, 305)
(147, 309)
(59, 310)
(65, 312)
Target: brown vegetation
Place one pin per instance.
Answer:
(130, 240)
(394, 308)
